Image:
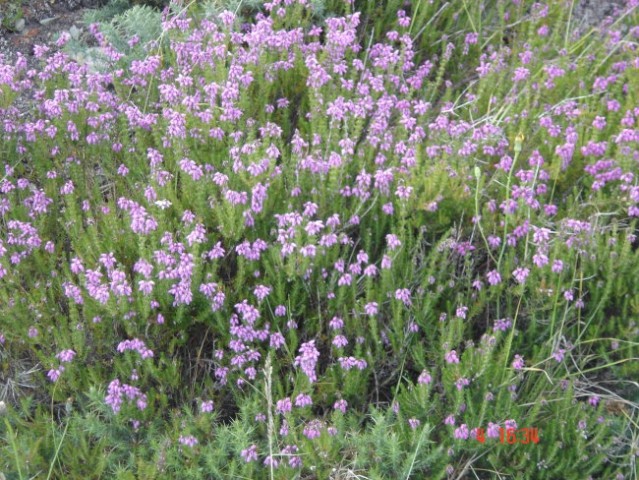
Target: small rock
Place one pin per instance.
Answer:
(47, 21)
(75, 32)
(19, 25)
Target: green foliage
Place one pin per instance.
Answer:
(119, 22)
(582, 401)
(10, 13)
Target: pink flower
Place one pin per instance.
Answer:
(371, 308)
(393, 242)
(341, 405)
(403, 294)
(451, 357)
(303, 400)
(54, 374)
(66, 356)
(559, 355)
(521, 274)
(312, 429)
(510, 424)
(493, 430)
(283, 406)
(336, 323)
(249, 454)
(206, 406)
(188, 441)
(462, 432)
(518, 363)
(340, 341)
(307, 360)
(461, 383)
(424, 378)
(493, 277)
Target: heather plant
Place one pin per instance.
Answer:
(362, 244)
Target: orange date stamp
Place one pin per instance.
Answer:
(511, 436)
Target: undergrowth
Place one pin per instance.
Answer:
(327, 240)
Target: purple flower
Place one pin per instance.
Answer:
(261, 292)
(340, 341)
(294, 461)
(283, 406)
(403, 294)
(521, 274)
(348, 363)
(66, 356)
(493, 430)
(451, 357)
(371, 308)
(188, 441)
(284, 428)
(54, 374)
(117, 392)
(277, 340)
(502, 324)
(493, 277)
(461, 312)
(424, 378)
(521, 73)
(135, 345)
(392, 241)
(307, 360)
(559, 355)
(413, 423)
(341, 405)
(461, 383)
(206, 406)
(387, 208)
(249, 454)
(462, 432)
(312, 429)
(303, 400)
(557, 266)
(518, 363)
(336, 323)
